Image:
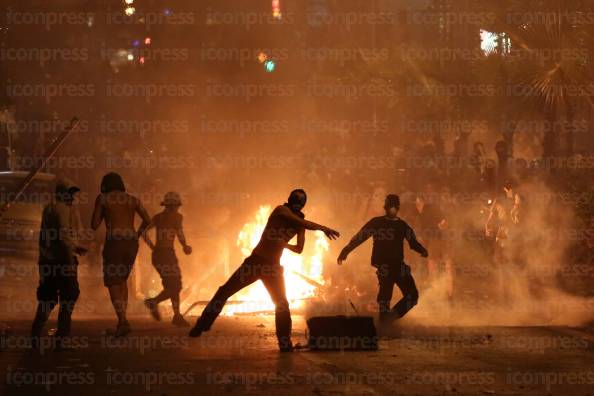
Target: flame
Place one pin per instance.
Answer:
(255, 298)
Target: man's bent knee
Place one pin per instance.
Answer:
(70, 294)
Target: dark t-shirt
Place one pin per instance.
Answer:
(388, 240)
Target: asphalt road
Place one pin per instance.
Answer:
(239, 356)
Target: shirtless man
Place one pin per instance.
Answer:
(502, 229)
(284, 223)
(118, 209)
(168, 225)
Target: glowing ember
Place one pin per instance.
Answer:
(255, 298)
(262, 57)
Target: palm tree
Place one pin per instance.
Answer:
(550, 66)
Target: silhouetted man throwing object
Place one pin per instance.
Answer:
(168, 225)
(284, 223)
(389, 233)
(118, 209)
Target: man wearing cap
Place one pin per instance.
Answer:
(389, 232)
(168, 226)
(284, 223)
(58, 248)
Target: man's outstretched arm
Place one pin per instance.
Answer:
(364, 234)
(414, 243)
(146, 219)
(146, 236)
(308, 225)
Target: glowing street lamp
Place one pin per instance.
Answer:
(276, 10)
(270, 66)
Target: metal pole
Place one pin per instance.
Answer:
(51, 151)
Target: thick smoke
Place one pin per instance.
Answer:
(539, 247)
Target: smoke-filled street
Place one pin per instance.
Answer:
(241, 357)
(295, 197)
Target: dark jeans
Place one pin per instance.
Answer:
(253, 268)
(399, 274)
(56, 286)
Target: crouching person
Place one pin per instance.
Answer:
(58, 248)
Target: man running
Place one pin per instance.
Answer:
(168, 225)
(118, 209)
(263, 264)
(389, 233)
